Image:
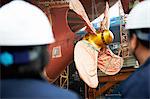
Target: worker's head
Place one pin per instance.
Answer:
(138, 25)
(25, 31)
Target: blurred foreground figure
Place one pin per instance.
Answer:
(24, 34)
(137, 86)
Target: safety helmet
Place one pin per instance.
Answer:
(23, 24)
(100, 39)
(139, 16)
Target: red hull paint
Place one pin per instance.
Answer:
(64, 38)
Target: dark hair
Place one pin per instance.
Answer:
(145, 43)
(30, 69)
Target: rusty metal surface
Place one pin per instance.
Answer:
(118, 77)
(64, 42)
(105, 88)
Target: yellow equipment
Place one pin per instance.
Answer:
(100, 39)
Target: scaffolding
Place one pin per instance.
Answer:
(64, 79)
(123, 33)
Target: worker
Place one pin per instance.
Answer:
(137, 85)
(24, 35)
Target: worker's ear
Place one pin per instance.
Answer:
(133, 43)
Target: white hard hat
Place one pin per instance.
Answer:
(139, 16)
(23, 24)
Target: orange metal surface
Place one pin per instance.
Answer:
(64, 39)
